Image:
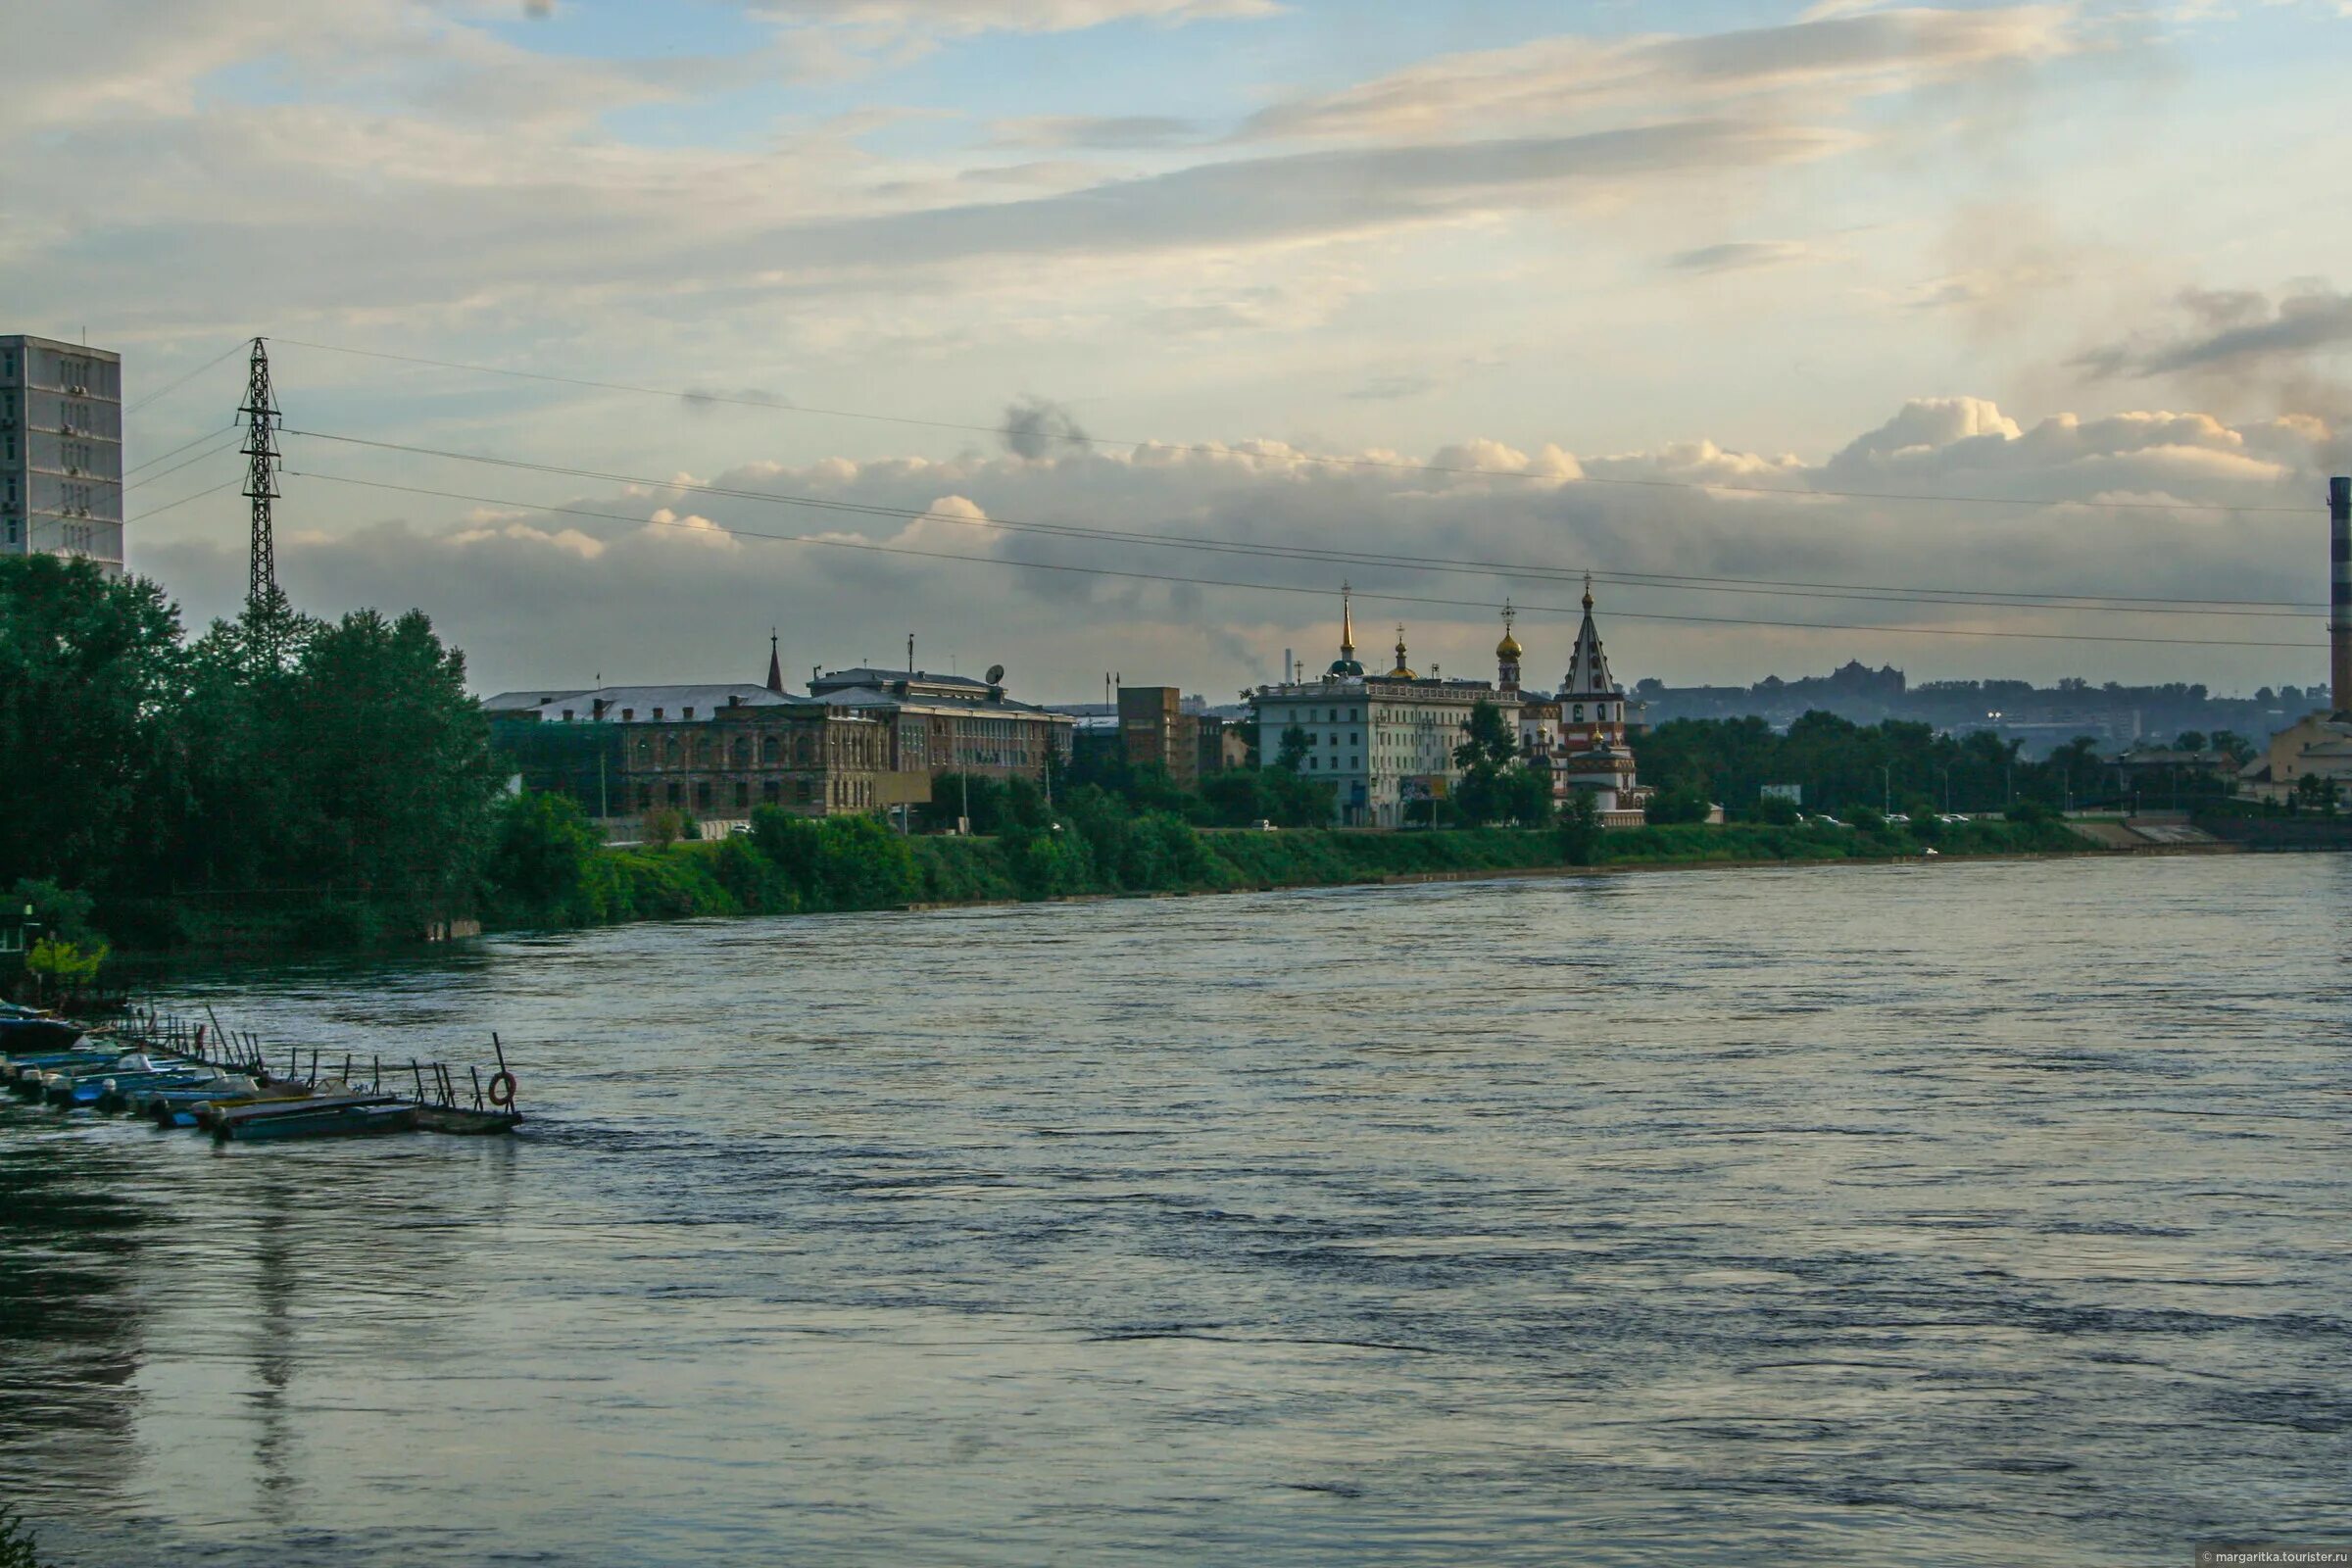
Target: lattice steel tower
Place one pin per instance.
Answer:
(262, 597)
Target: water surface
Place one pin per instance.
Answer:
(1981, 1214)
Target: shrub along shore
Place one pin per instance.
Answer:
(552, 872)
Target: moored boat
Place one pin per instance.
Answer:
(356, 1116)
(22, 1030)
(126, 1092)
(23, 1073)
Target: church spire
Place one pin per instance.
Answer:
(1588, 666)
(1507, 654)
(1402, 671)
(775, 665)
(1346, 663)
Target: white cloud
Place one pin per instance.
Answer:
(534, 595)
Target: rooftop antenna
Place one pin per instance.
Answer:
(265, 604)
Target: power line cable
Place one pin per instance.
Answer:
(182, 502)
(165, 473)
(166, 391)
(164, 457)
(1266, 587)
(1321, 555)
(1080, 438)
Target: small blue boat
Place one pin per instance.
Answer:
(122, 1092)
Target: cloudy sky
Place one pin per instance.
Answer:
(1479, 296)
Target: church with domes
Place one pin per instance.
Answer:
(1385, 740)
(1578, 732)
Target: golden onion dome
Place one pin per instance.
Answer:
(1508, 647)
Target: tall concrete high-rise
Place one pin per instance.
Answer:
(60, 449)
(2339, 594)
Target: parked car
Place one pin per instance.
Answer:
(1261, 825)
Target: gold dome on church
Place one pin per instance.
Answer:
(1508, 647)
(1402, 671)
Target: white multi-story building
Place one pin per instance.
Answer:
(1384, 742)
(60, 449)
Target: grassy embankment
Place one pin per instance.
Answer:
(840, 866)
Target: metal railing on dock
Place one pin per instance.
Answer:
(435, 1096)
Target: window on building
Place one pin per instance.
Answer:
(701, 794)
(568, 713)
(657, 714)
(772, 792)
(687, 712)
(807, 791)
(676, 792)
(627, 714)
(743, 795)
(771, 751)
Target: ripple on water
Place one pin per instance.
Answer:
(1849, 1215)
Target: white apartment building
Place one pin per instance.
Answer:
(60, 449)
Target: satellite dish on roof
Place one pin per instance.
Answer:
(995, 674)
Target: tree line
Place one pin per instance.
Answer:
(315, 780)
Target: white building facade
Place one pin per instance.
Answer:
(1384, 742)
(61, 451)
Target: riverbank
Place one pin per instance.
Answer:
(839, 866)
(791, 866)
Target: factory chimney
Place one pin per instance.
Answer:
(2339, 592)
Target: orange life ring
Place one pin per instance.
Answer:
(502, 1090)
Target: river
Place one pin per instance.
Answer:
(1979, 1214)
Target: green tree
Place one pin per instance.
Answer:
(544, 861)
(1778, 810)
(18, 1550)
(1580, 829)
(2316, 792)
(57, 965)
(661, 827)
(1495, 787)
(90, 674)
(1682, 803)
(1295, 744)
(1487, 742)
(389, 760)
(2192, 740)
